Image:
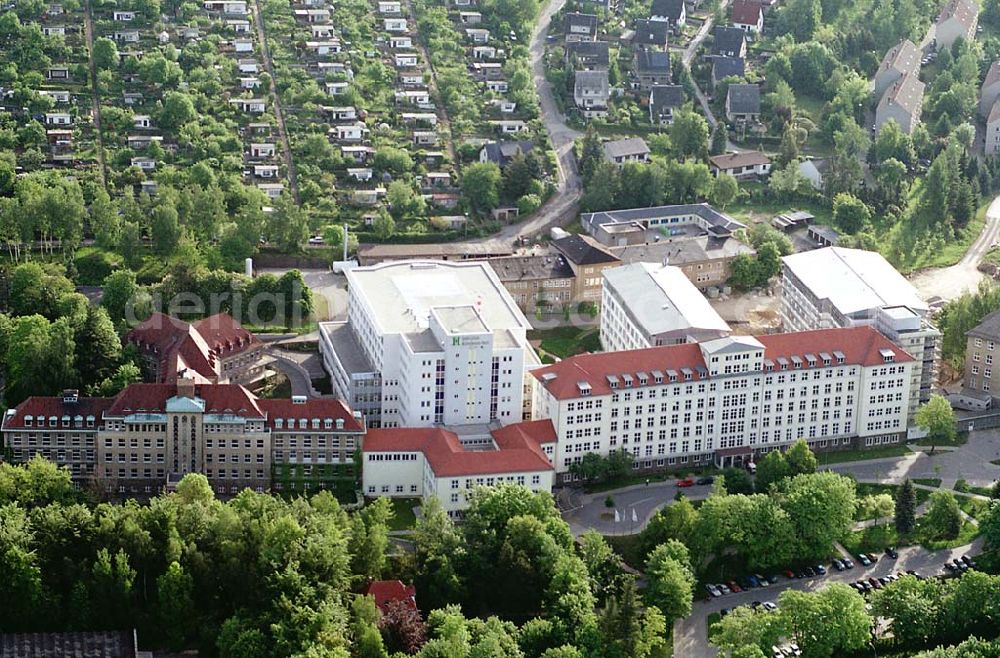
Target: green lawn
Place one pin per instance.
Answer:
(928, 482)
(763, 210)
(980, 491)
(961, 438)
(563, 342)
(950, 252)
(871, 540)
(841, 456)
(974, 507)
(711, 620)
(871, 489)
(968, 532)
(403, 517)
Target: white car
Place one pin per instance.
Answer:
(713, 591)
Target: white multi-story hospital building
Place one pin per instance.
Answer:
(727, 400)
(429, 343)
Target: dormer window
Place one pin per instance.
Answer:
(315, 423)
(29, 421)
(888, 356)
(327, 423)
(279, 423)
(839, 356)
(627, 380)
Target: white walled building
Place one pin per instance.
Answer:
(424, 462)
(727, 400)
(838, 287)
(646, 305)
(428, 343)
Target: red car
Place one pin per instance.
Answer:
(687, 482)
(734, 587)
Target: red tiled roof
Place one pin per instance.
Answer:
(219, 398)
(190, 347)
(518, 450)
(860, 346)
(224, 334)
(387, 591)
(45, 407)
(746, 12)
(313, 408)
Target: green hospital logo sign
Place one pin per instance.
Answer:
(456, 340)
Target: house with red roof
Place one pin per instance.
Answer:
(434, 461)
(147, 437)
(727, 401)
(216, 349)
(748, 15)
(387, 591)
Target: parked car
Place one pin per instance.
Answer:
(713, 590)
(891, 552)
(838, 565)
(873, 581)
(706, 480)
(872, 557)
(770, 606)
(751, 581)
(863, 559)
(820, 569)
(761, 580)
(847, 563)
(857, 587)
(949, 566)
(789, 573)
(961, 566)
(969, 561)
(810, 572)
(724, 589)
(736, 589)
(772, 579)
(686, 482)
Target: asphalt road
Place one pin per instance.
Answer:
(563, 204)
(950, 282)
(691, 633)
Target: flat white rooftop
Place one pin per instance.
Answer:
(662, 299)
(401, 294)
(853, 280)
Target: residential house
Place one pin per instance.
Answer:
(349, 132)
(501, 153)
(243, 46)
(748, 15)
(477, 34)
(57, 73)
(671, 12)
(272, 190)
(341, 113)
(651, 34)
(990, 90)
(132, 98)
(262, 150)
(958, 18)
(992, 145)
(902, 59)
(743, 165)
(423, 118)
(729, 42)
(902, 102)
(392, 7)
(58, 119)
(251, 105)
(743, 103)
(587, 55)
(55, 30)
(580, 27)
(591, 93)
(812, 170)
(400, 42)
(663, 101)
(470, 17)
(266, 170)
(727, 67)
(123, 16)
(391, 591)
(313, 15)
(509, 126)
(652, 67)
(622, 151)
(143, 163)
(406, 60)
(394, 24)
(58, 96)
(231, 7)
(142, 121)
(238, 26)
(142, 142)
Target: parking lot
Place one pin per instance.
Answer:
(691, 633)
